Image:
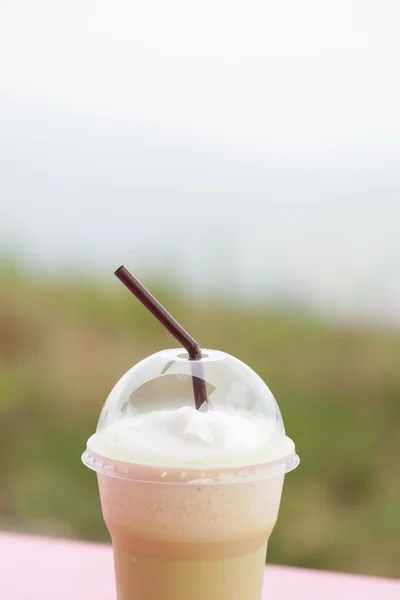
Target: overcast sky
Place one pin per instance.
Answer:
(289, 74)
(279, 120)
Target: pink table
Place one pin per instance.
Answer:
(33, 568)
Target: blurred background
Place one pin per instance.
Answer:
(243, 160)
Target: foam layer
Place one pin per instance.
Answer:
(189, 437)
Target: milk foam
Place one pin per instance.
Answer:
(186, 436)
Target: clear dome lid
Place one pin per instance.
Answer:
(150, 418)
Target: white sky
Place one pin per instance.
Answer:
(293, 74)
(287, 111)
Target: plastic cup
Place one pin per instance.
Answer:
(190, 498)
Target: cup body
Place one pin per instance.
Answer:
(189, 541)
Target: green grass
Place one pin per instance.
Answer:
(64, 344)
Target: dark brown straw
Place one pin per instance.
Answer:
(179, 333)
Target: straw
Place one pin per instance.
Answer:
(172, 325)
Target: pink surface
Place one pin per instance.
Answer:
(33, 568)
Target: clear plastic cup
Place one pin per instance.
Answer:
(190, 497)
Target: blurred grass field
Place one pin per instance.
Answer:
(63, 344)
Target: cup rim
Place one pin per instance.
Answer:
(189, 474)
